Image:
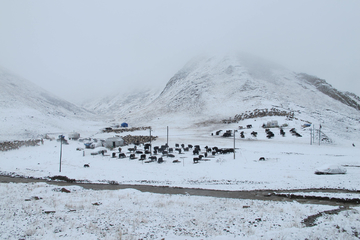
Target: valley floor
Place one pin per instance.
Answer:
(40, 210)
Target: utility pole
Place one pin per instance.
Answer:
(234, 143)
(61, 140)
(311, 136)
(167, 136)
(319, 134)
(150, 143)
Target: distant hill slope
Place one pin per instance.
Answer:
(347, 98)
(29, 110)
(212, 88)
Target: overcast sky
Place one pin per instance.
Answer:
(82, 48)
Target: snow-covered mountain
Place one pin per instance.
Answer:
(212, 88)
(28, 110)
(208, 89)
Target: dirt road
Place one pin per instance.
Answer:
(267, 195)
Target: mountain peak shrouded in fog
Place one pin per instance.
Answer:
(206, 89)
(212, 88)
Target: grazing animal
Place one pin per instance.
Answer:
(177, 145)
(122, 155)
(249, 126)
(171, 150)
(190, 146)
(153, 158)
(253, 133)
(261, 159)
(132, 156)
(86, 165)
(270, 134)
(216, 149)
(119, 150)
(282, 132)
(162, 148)
(195, 151)
(196, 160)
(178, 149)
(298, 135)
(160, 160)
(242, 134)
(171, 155)
(227, 134)
(176, 161)
(143, 157)
(294, 133)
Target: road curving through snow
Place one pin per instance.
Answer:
(264, 195)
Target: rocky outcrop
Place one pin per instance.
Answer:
(347, 98)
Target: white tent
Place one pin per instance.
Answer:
(114, 142)
(74, 135)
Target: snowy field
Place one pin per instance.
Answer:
(129, 214)
(42, 211)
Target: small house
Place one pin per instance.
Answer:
(114, 142)
(74, 136)
(272, 124)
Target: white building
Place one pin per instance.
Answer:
(114, 142)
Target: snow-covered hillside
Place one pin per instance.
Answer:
(210, 89)
(193, 103)
(28, 111)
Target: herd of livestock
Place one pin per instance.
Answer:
(269, 134)
(147, 153)
(10, 145)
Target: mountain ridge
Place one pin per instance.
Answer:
(213, 88)
(28, 110)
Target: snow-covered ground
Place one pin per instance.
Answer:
(42, 211)
(289, 163)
